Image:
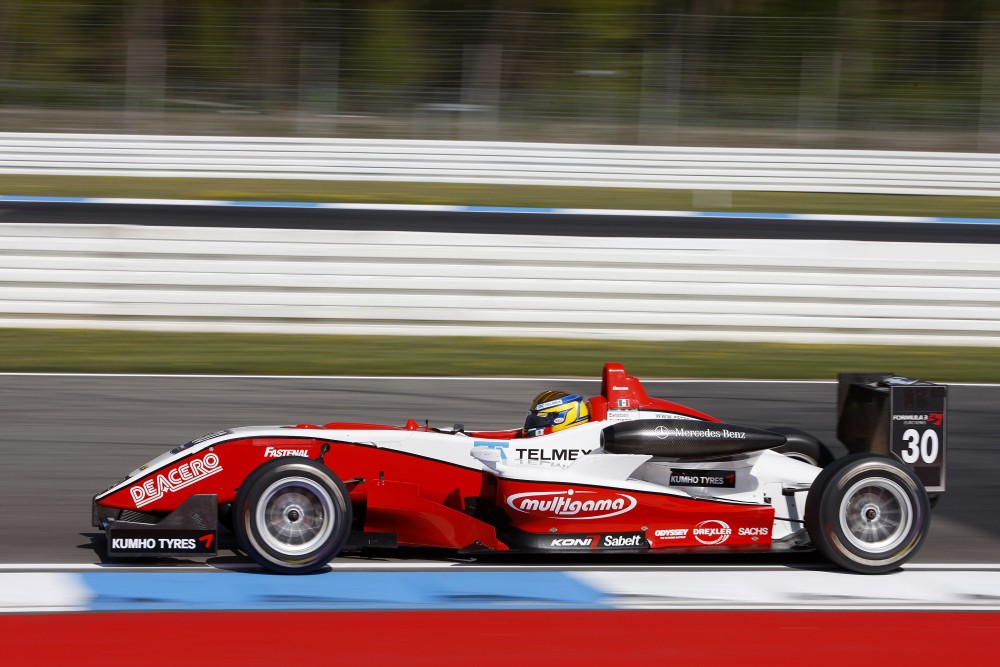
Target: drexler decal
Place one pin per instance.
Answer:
(719, 479)
(572, 504)
(712, 531)
(195, 470)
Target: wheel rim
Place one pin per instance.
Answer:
(876, 515)
(295, 515)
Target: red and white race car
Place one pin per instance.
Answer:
(617, 472)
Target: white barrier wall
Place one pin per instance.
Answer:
(889, 172)
(349, 282)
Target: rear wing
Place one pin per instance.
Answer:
(899, 417)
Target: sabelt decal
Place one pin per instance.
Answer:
(572, 504)
(712, 531)
(720, 479)
(195, 470)
(599, 542)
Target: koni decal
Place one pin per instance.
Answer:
(572, 504)
(154, 488)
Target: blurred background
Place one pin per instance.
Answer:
(883, 74)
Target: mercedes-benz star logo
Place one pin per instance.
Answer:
(661, 432)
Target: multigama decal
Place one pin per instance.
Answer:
(195, 470)
(572, 504)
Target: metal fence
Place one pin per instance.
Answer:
(502, 163)
(858, 77)
(356, 282)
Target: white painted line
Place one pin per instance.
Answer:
(799, 589)
(43, 591)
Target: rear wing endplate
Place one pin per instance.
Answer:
(899, 417)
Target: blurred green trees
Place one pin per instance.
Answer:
(497, 68)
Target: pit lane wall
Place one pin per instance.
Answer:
(419, 283)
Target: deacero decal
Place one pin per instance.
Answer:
(154, 488)
(572, 504)
(712, 531)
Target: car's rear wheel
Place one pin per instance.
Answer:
(867, 513)
(292, 515)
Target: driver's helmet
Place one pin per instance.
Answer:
(553, 411)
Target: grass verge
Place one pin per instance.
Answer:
(45, 350)
(498, 195)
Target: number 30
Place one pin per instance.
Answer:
(920, 446)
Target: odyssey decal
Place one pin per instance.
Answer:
(184, 475)
(671, 533)
(572, 504)
(712, 531)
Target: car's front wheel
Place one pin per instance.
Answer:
(292, 515)
(867, 513)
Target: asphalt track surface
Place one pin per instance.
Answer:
(723, 225)
(64, 438)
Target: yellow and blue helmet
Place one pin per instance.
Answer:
(553, 411)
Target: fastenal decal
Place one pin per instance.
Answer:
(572, 504)
(195, 470)
(712, 531)
(721, 479)
(272, 453)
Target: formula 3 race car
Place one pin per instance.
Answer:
(617, 472)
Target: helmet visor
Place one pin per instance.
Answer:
(545, 419)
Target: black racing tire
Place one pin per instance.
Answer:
(803, 447)
(292, 515)
(867, 513)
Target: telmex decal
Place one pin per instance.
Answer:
(572, 504)
(195, 470)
